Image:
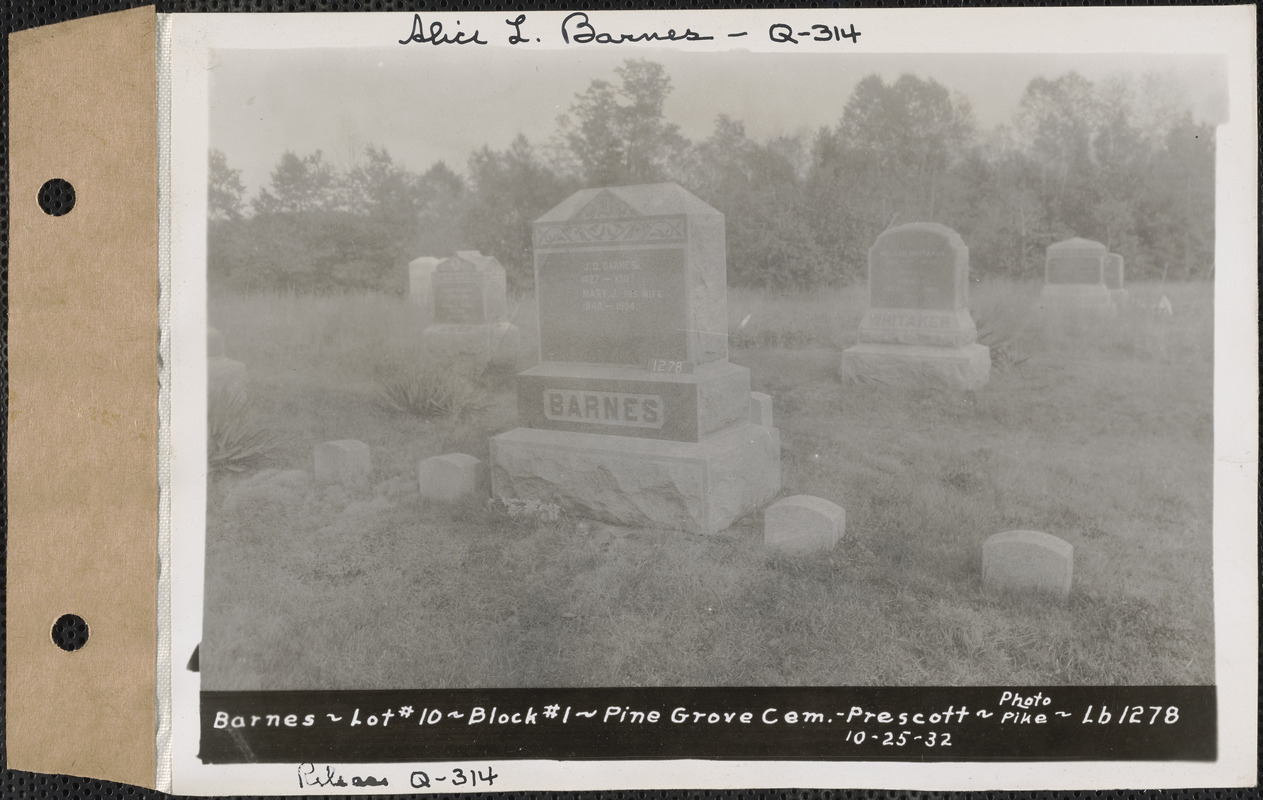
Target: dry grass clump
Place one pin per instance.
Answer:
(431, 389)
(765, 318)
(236, 436)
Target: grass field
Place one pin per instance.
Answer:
(1096, 431)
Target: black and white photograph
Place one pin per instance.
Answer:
(643, 367)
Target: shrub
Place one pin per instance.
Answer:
(236, 437)
(998, 328)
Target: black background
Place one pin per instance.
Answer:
(966, 735)
(24, 14)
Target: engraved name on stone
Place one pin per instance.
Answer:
(608, 408)
(609, 286)
(918, 321)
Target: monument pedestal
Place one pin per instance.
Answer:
(699, 487)
(498, 341)
(962, 368)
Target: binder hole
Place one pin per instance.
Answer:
(57, 197)
(70, 632)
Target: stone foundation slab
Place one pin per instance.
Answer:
(962, 368)
(698, 487)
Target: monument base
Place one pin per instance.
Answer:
(498, 342)
(963, 368)
(698, 487)
(1094, 298)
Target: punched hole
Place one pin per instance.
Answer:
(57, 197)
(70, 632)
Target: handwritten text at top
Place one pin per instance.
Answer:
(581, 28)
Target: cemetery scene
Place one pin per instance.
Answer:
(628, 404)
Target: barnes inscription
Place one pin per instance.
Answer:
(610, 408)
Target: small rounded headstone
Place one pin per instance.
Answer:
(346, 461)
(420, 271)
(803, 524)
(450, 478)
(1030, 562)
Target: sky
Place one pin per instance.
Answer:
(263, 103)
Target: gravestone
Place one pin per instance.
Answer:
(634, 414)
(761, 408)
(1114, 279)
(468, 296)
(420, 271)
(803, 524)
(917, 330)
(346, 461)
(449, 478)
(1074, 277)
(1029, 562)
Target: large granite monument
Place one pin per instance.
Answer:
(468, 295)
(918, 331)
(1074, 277)
(635, 414)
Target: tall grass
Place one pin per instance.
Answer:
(333, 337)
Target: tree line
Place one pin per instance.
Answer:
(1117, 161)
